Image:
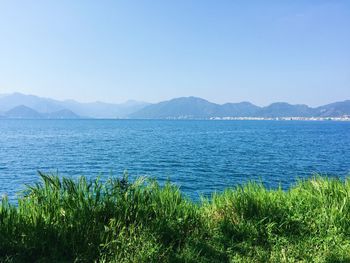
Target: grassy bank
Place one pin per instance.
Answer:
(61, 220)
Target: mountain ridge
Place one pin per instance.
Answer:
(189, 110)
(176, 108)
(24, 112)
(89, 109)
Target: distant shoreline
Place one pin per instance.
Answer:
(346, 118)
(337, 119)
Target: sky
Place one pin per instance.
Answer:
(224, 51)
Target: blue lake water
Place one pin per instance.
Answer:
(199, 156)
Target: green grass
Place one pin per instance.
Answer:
(65, 220)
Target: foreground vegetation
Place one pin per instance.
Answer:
(62, 220)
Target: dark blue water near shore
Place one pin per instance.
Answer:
(199, 156)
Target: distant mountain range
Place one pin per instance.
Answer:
(69, 108)
(22, 106)
(24, 112)
(197, 108)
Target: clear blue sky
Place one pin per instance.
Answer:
(261, 51)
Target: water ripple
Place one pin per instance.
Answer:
(199, 156)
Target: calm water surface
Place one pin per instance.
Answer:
(199, 156)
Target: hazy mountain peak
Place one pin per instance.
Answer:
(189, 98)
(21, 107)
(22, 112)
